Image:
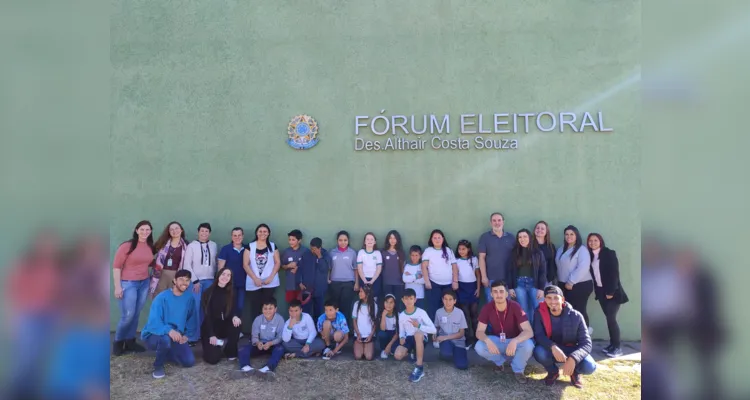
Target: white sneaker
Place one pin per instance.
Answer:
(591, 331)
(232, 358)
(383, 355)
(246, 368)
(264, 370)
(327, 353)
(436, 345)
(242, 334)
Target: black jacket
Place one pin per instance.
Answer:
(574, 332)
(609, 268)
(538, 264)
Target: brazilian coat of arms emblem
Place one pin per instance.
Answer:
(303, 132)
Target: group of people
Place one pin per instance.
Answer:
(518, 273)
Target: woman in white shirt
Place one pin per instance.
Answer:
(261, 262)
(439, 269)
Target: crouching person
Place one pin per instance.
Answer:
(561, 336)
(171, 321)
(265, 339)
(299, 336)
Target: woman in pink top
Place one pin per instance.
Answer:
(130, 274)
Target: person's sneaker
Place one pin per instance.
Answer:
(550, 379)
(436, 345)
(575, 379)
(468, 347)
(231, 358)
(412, 357)
(246, 368)
(520, 377)
(383, 355)
(499, 368)
(616, 352)
(264, 370)
(118, 347)
(192, 344)
(327, 353)
(158, 373)
(416, 375)
(607, 349)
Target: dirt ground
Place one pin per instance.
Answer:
(344, 378)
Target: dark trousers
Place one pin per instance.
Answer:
(544, 356)
(256, 299)
(168, 350)
(610, 309)
(239, 299)
(222, 330)
(459, 355)
(395, 290)
(315, 307)
(377, 288)
(436, 298)
(342, 293)
(578, 297)
(276, 352)
(384, 337)
(472, 320)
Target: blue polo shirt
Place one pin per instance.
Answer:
(233, 259)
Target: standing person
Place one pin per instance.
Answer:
(313, 277)
(527, 274)
(220, 321)
(412, 277)
(469, 286)
(393, 265)
(511, 333)
(230, 256)
(171, 246)
(544, 243)
(171, 321)
(574, 270)
(370, 265)
(342, 278)
(291, 258)
(130, 276)
(494, 253)
(563, 338)
(439, 269)
(200, 260)
(261, 263)
(608, 290)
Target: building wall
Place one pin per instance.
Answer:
(202, 94)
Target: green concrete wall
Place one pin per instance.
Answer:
(202, 93)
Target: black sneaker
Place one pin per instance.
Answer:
(614, 352)
(118, 347)
(192, 344)
(132, 345)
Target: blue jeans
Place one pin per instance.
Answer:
(239, 299)
(168, 350)
(526, 296)
(205, 284)
(314, 307)
(544, 356)
(384, 337)
(276, 351)
(436, 298)
(488, 291)
(459, 355)
(134, 294)
(524, 351)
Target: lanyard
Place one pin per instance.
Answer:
(505, 315)
(205, 253)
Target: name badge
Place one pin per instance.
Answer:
(335, 257)
(502, 337)
(444, 320)
(387, 257)
(291, 259)
(262, 327)
(169, 262)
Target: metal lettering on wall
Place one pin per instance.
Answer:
(402, 132)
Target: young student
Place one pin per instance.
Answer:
(290, 261)
(451, 325)
(388, 329)
(170, 322)
(200, 260)
(333, 328)
(439, 269)
(370, 265)
(393, 258)
(342, 277)
(313, 277)
(412, 276)
(469, 286)
(221, 319)
(413, 327)
(363, 320)
(300, 338)
(266, 338)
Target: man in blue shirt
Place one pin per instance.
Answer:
(172, 319)
(230, 257)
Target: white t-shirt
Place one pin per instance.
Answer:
(405, 328)
(390, 322)
(414, 279)
(440, 269)
(369, 261)
(465, 269)
(361, 315)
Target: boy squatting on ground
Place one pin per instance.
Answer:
(451, 324)
(299, 335)
(414, 326)
(333, 329)
(266, 338)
